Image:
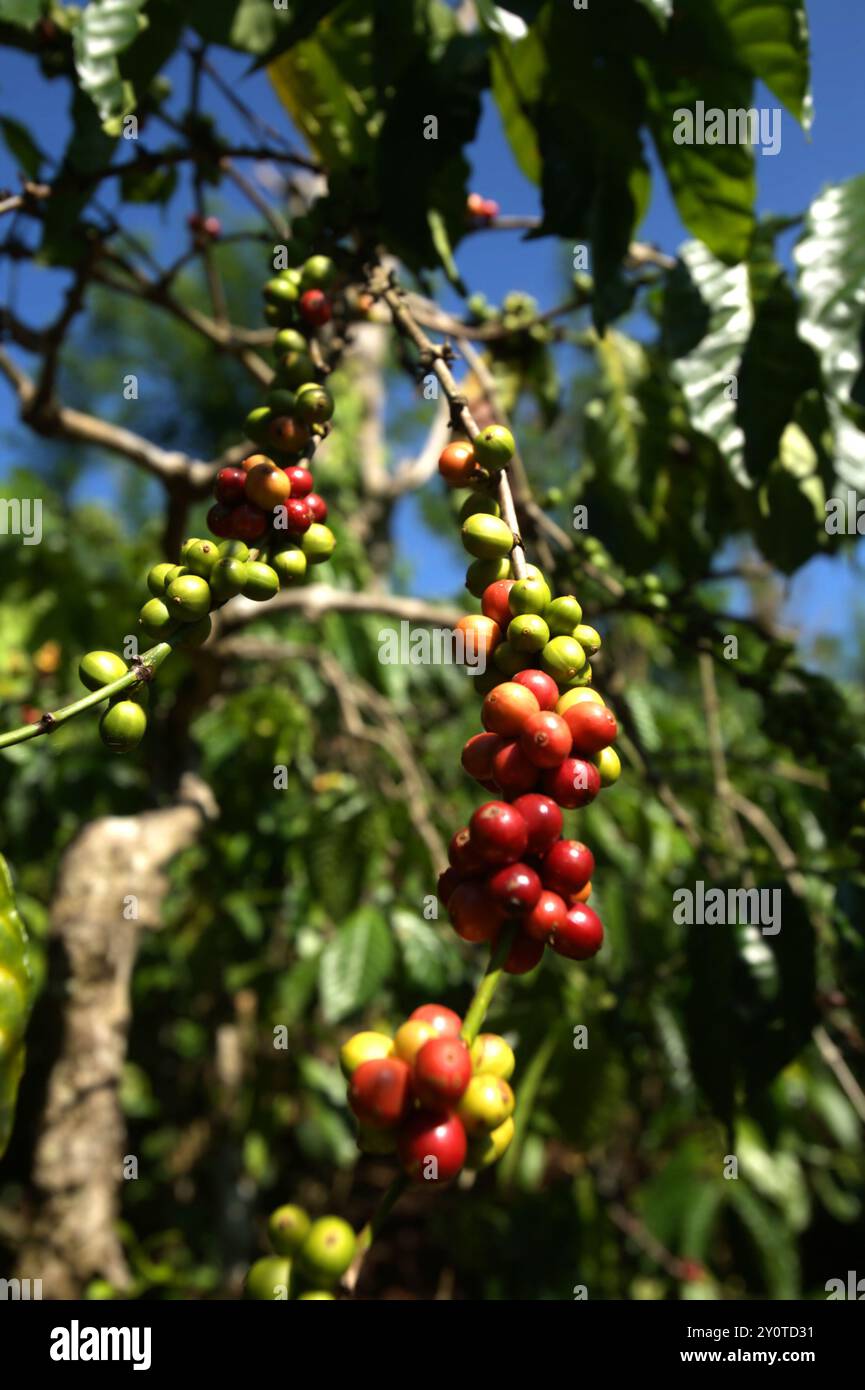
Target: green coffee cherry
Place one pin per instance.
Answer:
(96, 669)
(528, 596)
(480, 573)
(187, 546)
(327, 1251)
(479, 505)
(227, 578)
(122, 726)
(281, 291)
(563, 615)
(289, 340)
(156, 619)
(281, 401)
(562, 658)
(290, 564)
(583, 677)
(532, 572)
(189, 597)
(494, 447)
(318, 543)
(508, 660)
(262, 582)
(257, 424)
(268, 1279)
(157, 578)
(202, 557)
(294, 368)
(528, 633)
(317, 1294)
(234, 550)
(588, 638)
(288, 1228)
(317, 273)
(194, 634)
(487, 537)
(314, 404)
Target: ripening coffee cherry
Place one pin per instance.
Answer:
(315, 308)
(592, 727)
(247, 523)
(288, 434)
(267, 486)
(327, 1252)
(99, 668)
(256, 461)
(314, 403)
(515, 888)
(227, 578)
(528, 596)
(219, 519)
(478, 753)
(156, 619)
(572, 784)
(487, 1102)
(543, 820)
(364, 1047)
(290, 564)
(506, 709)
(297, 514)
(487, 537)
(442, 1071)
(481, 573)
(563, 615)
(524, 955)
(513, 772)
(485, 1149)
(262, 581)
(269, 1278)
(528, 633)
(317, 273)
(474, 914)
(201, 557)
(287, 1229)
(580, 936)
(300, 479)
(457, 464)
(446, 1023)
(480, 637)
(318, 543)
(494, 447)
(380, 1092)
(577, 697)
(230, 486)
(188, 597)
(545, 739)
(567, 867)
(491, 1054)
(562, 658)
(494, 601)
(432, 1147)
(542, 686)
(410, 1037)
(122, 725)
(609, 766)
(317, 506)
(499, 833)
(545, 917)
(589, 639)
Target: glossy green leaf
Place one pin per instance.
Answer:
(354, 964)
(103, 30)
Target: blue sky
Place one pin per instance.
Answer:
(822, 594)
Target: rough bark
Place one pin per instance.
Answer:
(110, 887)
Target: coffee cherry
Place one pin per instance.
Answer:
(201, 557)
(188, 597)
(499, 833)
(563, 615)
(287, 1229)
(592, 727)
(487, 537)
(562, 658)
(576, 697)
(478, 753)
(494, 446)
(328, 1250)
(289, 340)
(295, 516)
(583, 896)
(156, 578)
(230, 486)
(485, 1149)
(300, 479)
(122, 725)
(524, 955)
(491, 1054)
(267, 486)
(318, 1295)
(478, 503)
(380, 1092)
(247, 523)
(516, 888)
(317, 506)
(494, 602)
(480, 637)
(99, 668)
(364, 1047)
(513, 772)
(481, 573)
(581, 934)
(220, 519)
(457, 463)
(447, 883)
(314, 405)
(588, 638)
(506, 709)
(227, 578)
(543, 820)
(474, 914)
(509, 661)
(548, 913)
(432, 1147)
(609, 766)
(318, 543)
(529, 595)
(528, 633)
(573, 783)
(317, 272)
(295, 367)
(192, 635)
(410, 1037)
(487, 1102)
(461, 853)
(256, 461)
(315, 308)
(545, 739)
(568, 867)
(288, 434)
(290, 564)
(156, 619)
(257, 424)
(281, 401)
(233, 550)
(446, 1023)
(280, 292)
(262, 581)
(442, 1070)
(542, 686)
(268, 1279)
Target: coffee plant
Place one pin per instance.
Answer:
(349, 980)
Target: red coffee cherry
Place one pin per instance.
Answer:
(300, 479)
(315, 308)
(443, 1020)
(448, 880)
(248, 523)
(494, 603)
(475, 915)
(230, 486)
(524, 954)
(461, 853)
(317, 506)
(513, 772)
(568, 867)
(547, 915)
(457, 463)
(515, 888)
(219, 521)
(546, 739)
(478, 753)
(379, 1092)
(542, 686)
(506, 709)
(592, 727)
(432, 1146)
(581, 934)
(442, 1070)
(543, 818)
(573, 783)
(498, 832)
(298, 517)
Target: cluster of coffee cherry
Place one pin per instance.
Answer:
(547, 744)
(481, 209)
(427, 1095)
(311, 1257)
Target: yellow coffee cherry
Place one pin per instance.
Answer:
(491, 1054)
(488, 1148)
(410, 1038)
(575, 697)
(486, 1103)
(364, 1047)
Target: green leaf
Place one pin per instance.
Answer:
(25, 13)
(830, 261)
(662, 10)
(22, 146)
(517, 78)
(15, 992)
(354, 964)
(101, 33)
(427, 959)
(771, 40)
